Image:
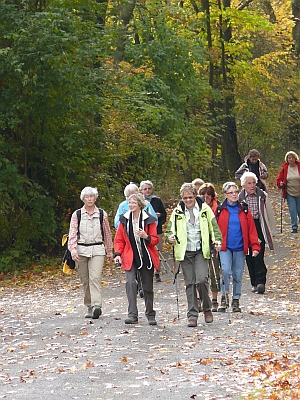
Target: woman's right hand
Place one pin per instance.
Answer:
(118, 260)
(75, 255)
(172, 239)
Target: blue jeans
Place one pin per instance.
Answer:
(232, 263)
(294, 209)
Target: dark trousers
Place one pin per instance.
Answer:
(256, 265)
(146, 276)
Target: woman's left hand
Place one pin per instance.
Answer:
(255, 253)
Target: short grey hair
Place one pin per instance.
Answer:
(188, 187)
(291, 153)
(129, 189)
(247, 175)
(139, 198)
(228, 185)
(88, 191)
(146, 183)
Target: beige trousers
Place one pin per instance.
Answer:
(90, 272)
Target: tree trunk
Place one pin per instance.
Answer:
(125, 16)
(231, 156)
(296, 28)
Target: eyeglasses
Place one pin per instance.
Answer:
(188, 198)
(233, 192)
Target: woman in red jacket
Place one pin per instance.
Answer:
(238, 234)
(135, 250)
(288, 180)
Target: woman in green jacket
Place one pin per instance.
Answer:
(193, 229)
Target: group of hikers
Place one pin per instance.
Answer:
(211, 240)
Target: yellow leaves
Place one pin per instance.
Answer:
(87, 364)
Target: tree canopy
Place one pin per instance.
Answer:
(102, 93)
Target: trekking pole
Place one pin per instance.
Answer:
(281, 213)
(226, 298)
(174, 273)
(176, 287)
(212, 259)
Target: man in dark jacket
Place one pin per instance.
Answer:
(146, 187)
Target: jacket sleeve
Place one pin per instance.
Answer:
(263, 170)
(243, 168)
(169, 231)
(119, 241)
(163, 214)
(107, 235)
(216, 230)
(152, 232)
(280, 177)
(270, 216)
(73, 232)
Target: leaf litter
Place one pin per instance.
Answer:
(44, 337)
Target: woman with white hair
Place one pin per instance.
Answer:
(288, 180)
(89, 241)
(123, 207)
(238, 234)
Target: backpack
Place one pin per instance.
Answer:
(78, 213)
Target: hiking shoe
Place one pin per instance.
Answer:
(208, 317)
(157, 278)
(96, 312)
(294, 231)
(152, 321)
(89, 313)
(192, 323)
(131, 320)
(222, 307)
(261, 288)
(199, 305)
(214, 305)
(254, 289)
(235, 305)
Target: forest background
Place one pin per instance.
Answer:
(101, 93)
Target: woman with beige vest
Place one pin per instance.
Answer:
(89, 241)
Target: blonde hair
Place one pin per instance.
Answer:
(188, 187)
(139, 198)
(291, 153)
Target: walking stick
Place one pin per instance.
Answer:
(212, 259)
(172, 270)
(226, 298)
(281, 213)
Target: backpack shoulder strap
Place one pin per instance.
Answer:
(78, 213)
(101, 222)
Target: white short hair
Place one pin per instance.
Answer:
(146, 183)
(88, 191)
(228, 185)
(247, 175)
(129, 189)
